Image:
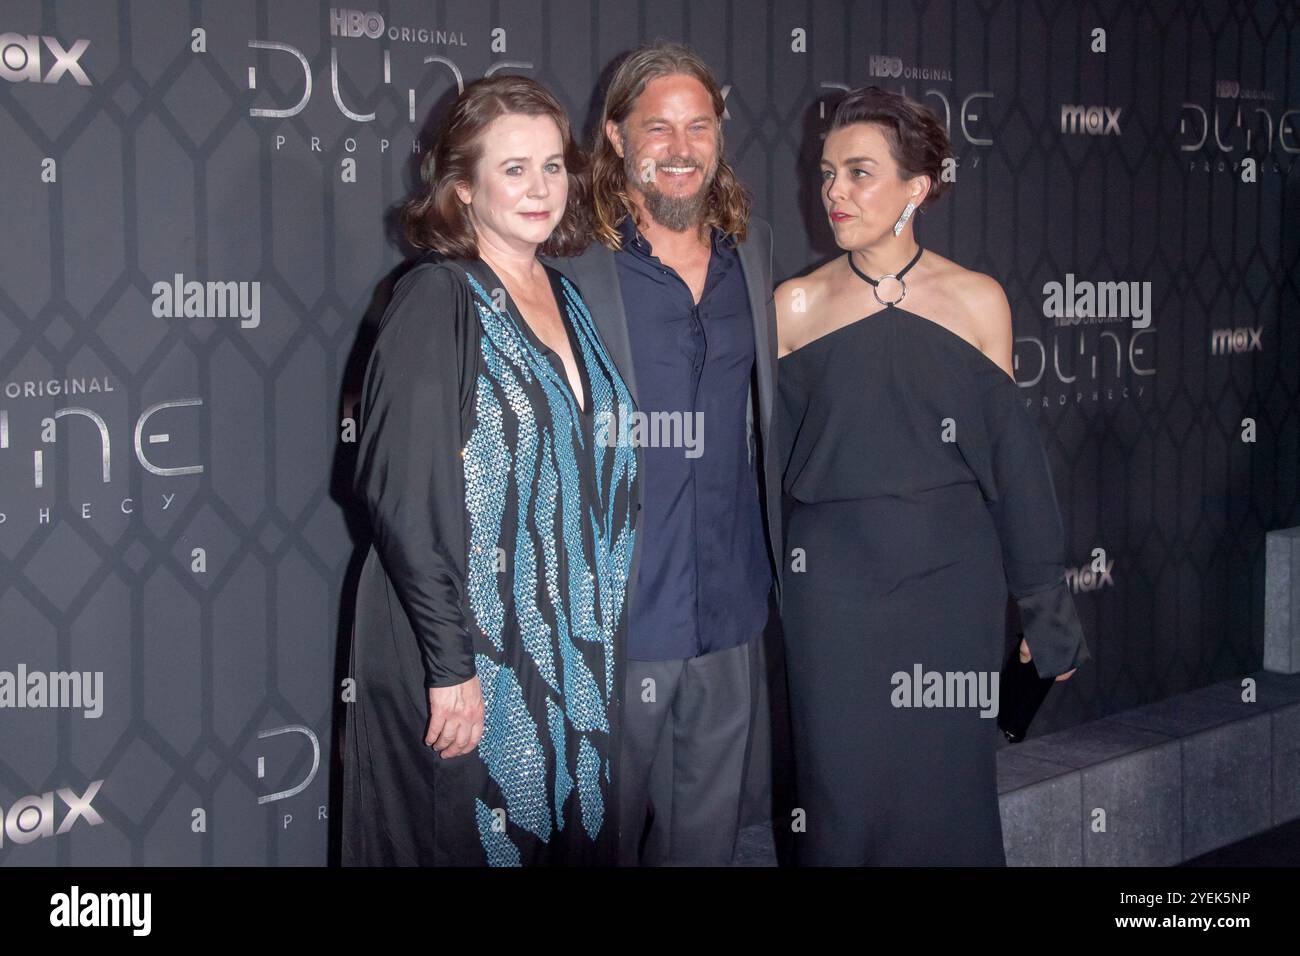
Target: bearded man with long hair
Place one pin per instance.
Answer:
(680, 283)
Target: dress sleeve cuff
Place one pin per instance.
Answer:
(449, 669)
(1052, 631)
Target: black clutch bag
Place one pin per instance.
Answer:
(1020, 693)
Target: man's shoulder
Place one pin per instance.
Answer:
(756, 250)
(760, 230)
(595, 256)
(758, 242)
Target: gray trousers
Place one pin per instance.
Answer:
(688, 736)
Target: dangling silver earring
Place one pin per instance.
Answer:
(902, 220)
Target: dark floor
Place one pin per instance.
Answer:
(1277, 847)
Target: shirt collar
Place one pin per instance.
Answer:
(632, 237)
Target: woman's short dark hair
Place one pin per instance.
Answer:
(917, 140)
(437, 219)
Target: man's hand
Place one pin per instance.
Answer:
(455, 718)
(1025, 657)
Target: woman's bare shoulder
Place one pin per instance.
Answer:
(797, 303)
(977, 309)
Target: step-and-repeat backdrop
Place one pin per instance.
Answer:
(198, 237)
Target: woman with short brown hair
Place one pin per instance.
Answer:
(490, 614)
(919, 497)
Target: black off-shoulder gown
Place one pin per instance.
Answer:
(917, 495)
(503, 534)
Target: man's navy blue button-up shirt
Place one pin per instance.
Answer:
(704, 572)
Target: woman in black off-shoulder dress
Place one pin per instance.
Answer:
(917, 496)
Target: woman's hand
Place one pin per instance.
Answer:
(1025, 657)
(455, 718)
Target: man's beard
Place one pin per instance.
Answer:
(675, 213)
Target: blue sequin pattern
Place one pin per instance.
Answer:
(551, 532)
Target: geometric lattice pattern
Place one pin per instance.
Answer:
(186, 530)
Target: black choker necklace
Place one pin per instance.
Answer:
(875, 283)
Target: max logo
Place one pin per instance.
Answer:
(1092, 120)
(32, 818)
(20, 59)
(1244, 338)
(1091, 577)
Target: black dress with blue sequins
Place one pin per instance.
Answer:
(503, 533)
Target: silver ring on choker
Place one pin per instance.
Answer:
(875, 289)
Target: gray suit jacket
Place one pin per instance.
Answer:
(595, 275)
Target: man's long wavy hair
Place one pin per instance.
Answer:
(437, 219)
(727, 204)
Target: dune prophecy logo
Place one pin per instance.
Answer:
(1100, 349)
(357, 39)
(969, 111)
(31, 434)
(1243, 132)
